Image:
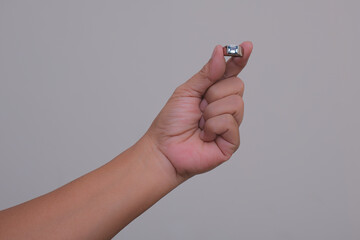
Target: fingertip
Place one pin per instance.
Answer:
(248, 43)
(248, 47)
(219, 48)
(217, 52)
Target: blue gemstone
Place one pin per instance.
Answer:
(233, 49)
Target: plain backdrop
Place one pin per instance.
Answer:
(81, 81)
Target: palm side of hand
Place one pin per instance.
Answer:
(179, 137)
(176, 129)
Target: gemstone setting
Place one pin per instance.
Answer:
(233, 50)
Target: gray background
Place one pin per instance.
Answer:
(80, 81)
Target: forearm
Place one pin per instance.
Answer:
(98, 204)
(197, 130)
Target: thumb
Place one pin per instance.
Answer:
(213, 71)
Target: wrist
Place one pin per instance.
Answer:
(155, 161)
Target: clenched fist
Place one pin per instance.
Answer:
(198, 128)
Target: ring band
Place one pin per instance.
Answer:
(233, 50)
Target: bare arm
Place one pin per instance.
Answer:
(97, 205)
(196, 131)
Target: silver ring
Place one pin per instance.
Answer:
(233, 50)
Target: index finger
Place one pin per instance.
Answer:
(235, 64)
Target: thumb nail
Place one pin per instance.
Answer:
(202, 135)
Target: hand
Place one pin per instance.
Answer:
(198, 128)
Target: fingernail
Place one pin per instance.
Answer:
(201, 123)
(202, 135)
(203, 105)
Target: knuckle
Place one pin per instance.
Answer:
(209, 111)
(182, 91)
(238, 108)
(237, 144)
(240, 86)
(237, 101)
(241, 103)
(179, 89)
(210, 124)
(228, 119)
(211, 94)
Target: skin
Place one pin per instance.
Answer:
(197, 130)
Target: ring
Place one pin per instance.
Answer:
(233, 50)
